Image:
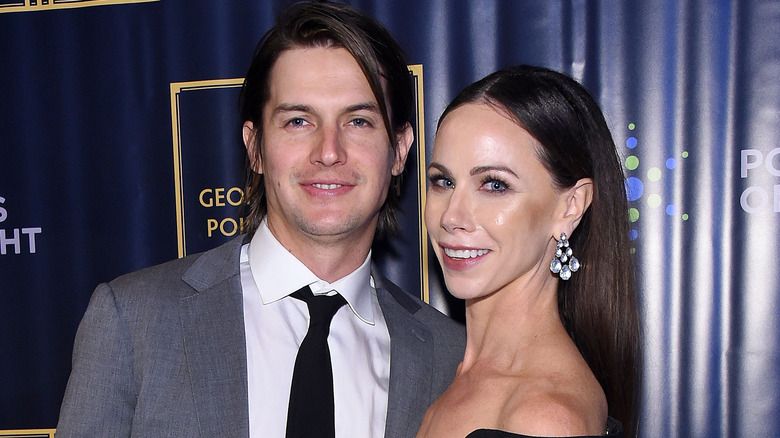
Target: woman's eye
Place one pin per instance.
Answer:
(441, 181)
(495, 185)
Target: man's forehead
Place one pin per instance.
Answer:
(305, 76)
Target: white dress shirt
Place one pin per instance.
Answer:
(276, 324)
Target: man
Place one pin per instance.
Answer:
(206, 345)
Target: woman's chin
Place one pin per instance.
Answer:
(464, 290)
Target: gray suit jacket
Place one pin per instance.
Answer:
(162, 353)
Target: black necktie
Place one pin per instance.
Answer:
(310, 413)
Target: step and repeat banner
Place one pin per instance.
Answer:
(120, 148)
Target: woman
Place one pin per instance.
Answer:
(527, 214)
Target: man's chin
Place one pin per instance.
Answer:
(328, 229)
(336, 227)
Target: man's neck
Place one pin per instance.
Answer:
(330, 258)
(331, 264)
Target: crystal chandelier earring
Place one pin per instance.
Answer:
(564, 263)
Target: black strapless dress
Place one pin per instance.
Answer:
(614, 429)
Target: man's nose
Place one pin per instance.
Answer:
(329, 149)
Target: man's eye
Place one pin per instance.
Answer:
(297, 121)
(360, 122)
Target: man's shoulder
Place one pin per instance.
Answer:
(445, 329)
(428, 315)
(196, 270)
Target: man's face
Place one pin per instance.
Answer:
(326, 158)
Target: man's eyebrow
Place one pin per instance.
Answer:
(370, 106)
(296, 107)
(284, 107)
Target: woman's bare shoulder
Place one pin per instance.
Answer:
(557, 405)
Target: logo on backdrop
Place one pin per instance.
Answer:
(222, 197)
(759, 198)
(16, 240)
(644, 184)
(47, 5)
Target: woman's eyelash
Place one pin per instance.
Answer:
(438, 179)
(495, 184)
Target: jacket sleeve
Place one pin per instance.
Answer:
(100, 398)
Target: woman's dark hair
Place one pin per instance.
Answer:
(598, 305)
(326, 24)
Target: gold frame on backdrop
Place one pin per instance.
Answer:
(177, 88)
(419, 135)
(47, 5)
(27, 433)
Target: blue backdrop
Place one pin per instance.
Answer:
(120, 148)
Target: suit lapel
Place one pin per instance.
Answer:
(411, 360)
(212, 321)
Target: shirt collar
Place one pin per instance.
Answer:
(277, 273)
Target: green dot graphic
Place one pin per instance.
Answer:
(631, 126)
(685, 216)
(685, 154)
(654, 174)
(654, 200)
(632, 162)
(633, 214)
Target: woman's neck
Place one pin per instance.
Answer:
(502, 326)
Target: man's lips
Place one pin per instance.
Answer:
(326, 186)
(329, 188)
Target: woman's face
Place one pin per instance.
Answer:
(491, 208)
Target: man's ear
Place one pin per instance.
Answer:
(404, 141)
(578, 199)
(255, 157)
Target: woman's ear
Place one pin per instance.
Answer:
(255, 157)
(578, 199)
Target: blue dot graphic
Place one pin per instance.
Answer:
(634, 188)
(671, 163)
(633, 234)
(631, 142)
(671, 209)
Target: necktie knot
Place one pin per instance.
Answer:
(321, 307)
